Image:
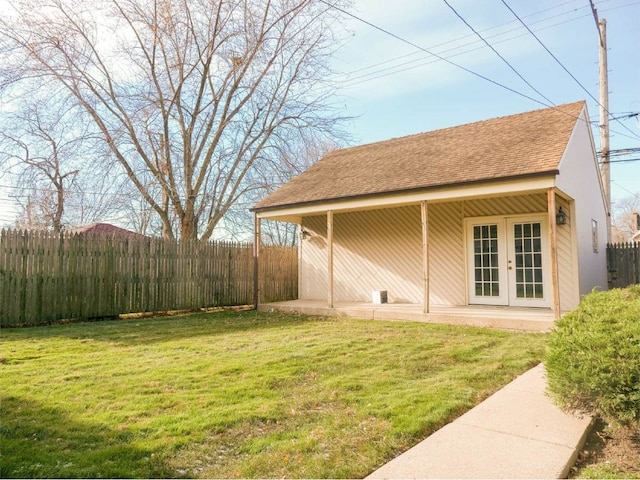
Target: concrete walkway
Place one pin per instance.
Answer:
(516, 433)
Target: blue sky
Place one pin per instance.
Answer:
(392, 89)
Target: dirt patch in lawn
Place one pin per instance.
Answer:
(609, 451)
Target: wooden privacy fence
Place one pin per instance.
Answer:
(623, 264)
(46, 277)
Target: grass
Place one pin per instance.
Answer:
(239, 394)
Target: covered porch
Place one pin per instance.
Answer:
(424, 254)
(502, 317)
(497, 219)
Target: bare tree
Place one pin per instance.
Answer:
(625, 212)
(50, 157)
(35, 148)
(272, 174)
(37, 211)
(188, 95)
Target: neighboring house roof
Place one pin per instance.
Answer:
(527, 144)
(104, 229)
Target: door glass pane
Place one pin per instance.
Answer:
(528, 255)
(536, 230)
(485, 244)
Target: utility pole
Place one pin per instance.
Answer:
(604, 123)
(605, 168)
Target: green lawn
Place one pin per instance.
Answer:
(239, 394)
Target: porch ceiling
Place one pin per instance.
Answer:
(502, 188)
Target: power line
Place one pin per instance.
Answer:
(475, 41)
(635, 137)
(623, 151)
(374, 75)
(394, 69)
(630, 115)
(626, 190)
(414, 45)
(439, 57)
(562, 65)
(497, 53)
(626, 160)
(363, 78)
(52, 190)
(620, 114)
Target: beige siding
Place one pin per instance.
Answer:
(381, 250)
(373, 250)
(506, 205)
(378, 250)
(446, 240)
(568, 279)
(313, 259)
(446, 254)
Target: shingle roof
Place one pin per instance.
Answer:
(526, 144)
(104, 229)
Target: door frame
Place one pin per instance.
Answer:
(507, 285)
(472, 298)
(545, 301)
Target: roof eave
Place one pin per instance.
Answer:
(547, 173)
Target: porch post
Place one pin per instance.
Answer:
(256, 253)
(424, 213)
(330, 257)
(553, 244)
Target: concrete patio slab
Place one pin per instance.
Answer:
(507, 318)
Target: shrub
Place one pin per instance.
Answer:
(593, 356)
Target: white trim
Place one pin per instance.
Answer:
(445, 194)
(502, 298)
(505, 254)
(547, 286)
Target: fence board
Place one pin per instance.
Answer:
(623, 264)
(46, 277)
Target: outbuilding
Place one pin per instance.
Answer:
(498, 222)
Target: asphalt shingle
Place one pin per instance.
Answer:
(521, 145)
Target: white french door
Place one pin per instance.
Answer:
(486, 260)
(508, 261)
